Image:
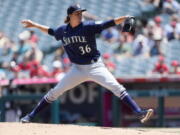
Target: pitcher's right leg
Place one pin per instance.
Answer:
(73, 78)
(70, 80)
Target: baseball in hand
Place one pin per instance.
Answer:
(27, 23)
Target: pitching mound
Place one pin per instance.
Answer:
(52, 129)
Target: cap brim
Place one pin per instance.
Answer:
(82, 10)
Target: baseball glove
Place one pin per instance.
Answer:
(129, 25)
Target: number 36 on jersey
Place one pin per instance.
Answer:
(84, 49)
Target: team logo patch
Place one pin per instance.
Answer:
(98, 22)
(78, 6)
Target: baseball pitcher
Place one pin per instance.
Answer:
(79, 42)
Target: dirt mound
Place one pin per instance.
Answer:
(52, 129)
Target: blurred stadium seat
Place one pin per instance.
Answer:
(52, 13)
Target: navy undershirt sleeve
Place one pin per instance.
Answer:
(51, 31)
(57, 33)
(98, 27)
(107, 24)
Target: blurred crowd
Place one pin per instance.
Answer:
(150, 36)
(26, 60)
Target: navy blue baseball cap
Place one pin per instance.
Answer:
(74, 8)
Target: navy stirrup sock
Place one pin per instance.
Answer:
(40, 106)
(130, 102)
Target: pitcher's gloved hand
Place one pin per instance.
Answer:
(129, 24)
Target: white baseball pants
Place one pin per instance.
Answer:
(96, 72)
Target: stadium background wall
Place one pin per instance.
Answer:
(89, 103)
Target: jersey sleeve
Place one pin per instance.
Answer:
(99, 26)
(57, 33)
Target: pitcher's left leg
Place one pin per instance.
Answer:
(103, 77)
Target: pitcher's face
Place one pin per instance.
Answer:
(76, 16)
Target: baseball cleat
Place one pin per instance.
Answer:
(26, 119)
(147, 115)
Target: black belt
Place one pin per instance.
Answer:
(89, 62)
(94, 60)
